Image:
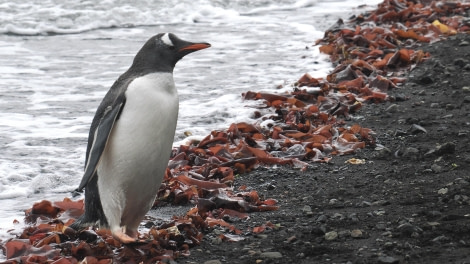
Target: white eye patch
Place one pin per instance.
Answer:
(166, 39)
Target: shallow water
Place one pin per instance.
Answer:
(58, 59)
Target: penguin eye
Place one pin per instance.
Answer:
(171, 47)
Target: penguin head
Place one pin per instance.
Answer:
(161, 52)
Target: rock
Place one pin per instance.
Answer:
(387, 260)
(216, 241)
(318, 231)
(215, 261)
(393, 108)
(442, 191)
(271, 255)
(382, 152)
(356, 233)
(307, 210)
(466, 99)
(332, 235)
(436, 168)
(322, 218)
(415, 129)
(441, 239)
(291, 239)
(408, 229)
(344, 233)
(353, 217)
(426, 79)
(446, 148)
(411, 153)
(460, 62)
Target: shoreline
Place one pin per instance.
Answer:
(309, 228)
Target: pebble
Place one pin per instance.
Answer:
(466, 99)
(291, 239)
(307, 210)
(415, 129)
(441, 239)
(411, 153)
(436, 168)
(332, 235)
(383, 153)
(356, 233)
(271, 255)
(322, 218)
(442, 191)
(344, 233)
(460, 62)
(408, 229)
(393, 108)
(446, 148)
(216, 241)
(387, 260)
(214, 261)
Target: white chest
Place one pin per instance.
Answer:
(139, 146)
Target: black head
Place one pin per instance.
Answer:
(163, 51)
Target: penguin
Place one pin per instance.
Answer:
(130, 139)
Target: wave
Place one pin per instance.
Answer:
(58, 17)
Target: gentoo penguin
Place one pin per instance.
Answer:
(130, 139)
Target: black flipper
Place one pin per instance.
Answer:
(100, 139)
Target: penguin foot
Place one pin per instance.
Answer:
(124, 238)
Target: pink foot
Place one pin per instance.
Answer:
(124, 238)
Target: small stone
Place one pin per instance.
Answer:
(318, 231)
(434, 105)
(387, 260)
(436, 168)
(322, 218)
(460, 62)
(450, 106)
(216, 241)
(464, 43)
(425, 80)
(333, 201)
(442, 191)
(382, 153)
(466, 99)
(411, 153)
(307, 210)
(332, 235)
(214, 261)
(441, 239)
(393, 108)
(415, 129)
(291, 239)
(408, 229)
(344, 233)
(271, 255)
(466, 89)
(356, 233)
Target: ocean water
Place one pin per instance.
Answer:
(59, 57)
